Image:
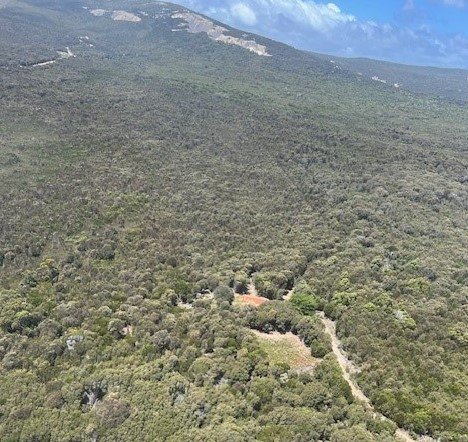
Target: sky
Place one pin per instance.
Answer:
(422, 32)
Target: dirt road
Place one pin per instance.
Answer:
(348, 368)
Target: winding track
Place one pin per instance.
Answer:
(347, 367)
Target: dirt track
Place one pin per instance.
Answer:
(348, 368)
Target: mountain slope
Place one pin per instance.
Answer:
(154, 165)
(450, 84)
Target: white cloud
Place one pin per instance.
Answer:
(244, 13)
(324, 27)
(320, 16)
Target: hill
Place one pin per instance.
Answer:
(151, 162)
(449, 84)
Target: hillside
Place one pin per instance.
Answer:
(449, 84)
(152, 162)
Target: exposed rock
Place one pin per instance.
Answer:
(116, 15)
(125, 16)
(66, 54)
(127, 331)
(196, 24)
(73, 340)
(375, 78)
(98, 12)
(93, 394)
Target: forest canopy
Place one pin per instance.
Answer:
(154, 176)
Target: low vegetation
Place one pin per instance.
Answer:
(286, 349)
(145, 179)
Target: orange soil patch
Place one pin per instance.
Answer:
(251, 300)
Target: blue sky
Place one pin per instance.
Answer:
(424, 32)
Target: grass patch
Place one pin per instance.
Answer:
(286, 349)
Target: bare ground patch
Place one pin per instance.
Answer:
(254, 300)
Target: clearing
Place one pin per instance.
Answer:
(348, 368)
(250, 300)
(287, 349)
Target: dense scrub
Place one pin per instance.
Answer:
(450, 84)
(159, 165)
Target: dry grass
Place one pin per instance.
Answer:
(286, 349)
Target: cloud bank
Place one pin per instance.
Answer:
(324, 27)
